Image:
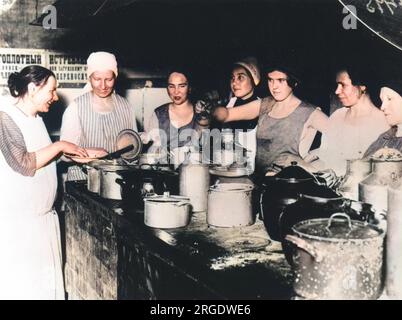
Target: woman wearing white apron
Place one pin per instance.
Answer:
(244, 79)
(95, 118)
(31, 266)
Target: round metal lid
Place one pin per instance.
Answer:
(294, 173)
(166, 197)
(336, 229)
(230, 171)
(129, 137)
(232, 187)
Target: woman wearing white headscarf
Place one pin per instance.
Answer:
(391, 98)
(94, 119)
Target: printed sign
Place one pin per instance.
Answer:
(12, 60)
(70, 69)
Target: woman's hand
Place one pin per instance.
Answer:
(221, 114)
(73, 149)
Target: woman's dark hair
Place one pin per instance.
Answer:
(18, 81)
(292, 79)
(182, 70)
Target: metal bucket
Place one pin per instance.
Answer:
(374, 188)
(230, 205)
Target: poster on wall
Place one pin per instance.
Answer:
(70, 69)
(13, 60)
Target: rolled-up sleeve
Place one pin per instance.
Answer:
(13, 147)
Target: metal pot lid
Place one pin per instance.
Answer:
(294, 173)
(129, 137)
(317, 192)
(115, 167)
(232, 187)
(167, 198)
(230, 171)
(98, 163)
(336, 229)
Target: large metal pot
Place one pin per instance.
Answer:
(110, 188)
(393, 282)
(337, 259)
(166, 211)
(230, 205)
(281, 190)
(194, 183)
(373, 189)
(93, 173)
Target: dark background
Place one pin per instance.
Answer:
(207, 36)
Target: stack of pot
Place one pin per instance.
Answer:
(280, 191)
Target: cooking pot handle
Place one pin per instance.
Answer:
(305, 246)
(181, 203)
(339, 214)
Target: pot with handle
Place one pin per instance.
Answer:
(337, 258)
(230, 205)
(110, 175)
(280, 191)
(166, 211)
(374, 188)
(94, 175)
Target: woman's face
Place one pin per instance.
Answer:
(43, 96)
(102, 83)
(347, 93)
(178, 88)
(278, 85)
(391, 106)
(241, 84)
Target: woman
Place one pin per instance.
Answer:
(352, 128)
(174, 126)
(29, 227)
(94, 119)
(286, 125)
(244, 80)
(391, 97)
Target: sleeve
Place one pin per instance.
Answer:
(71, 126)
(317, 121)
(13, 147)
